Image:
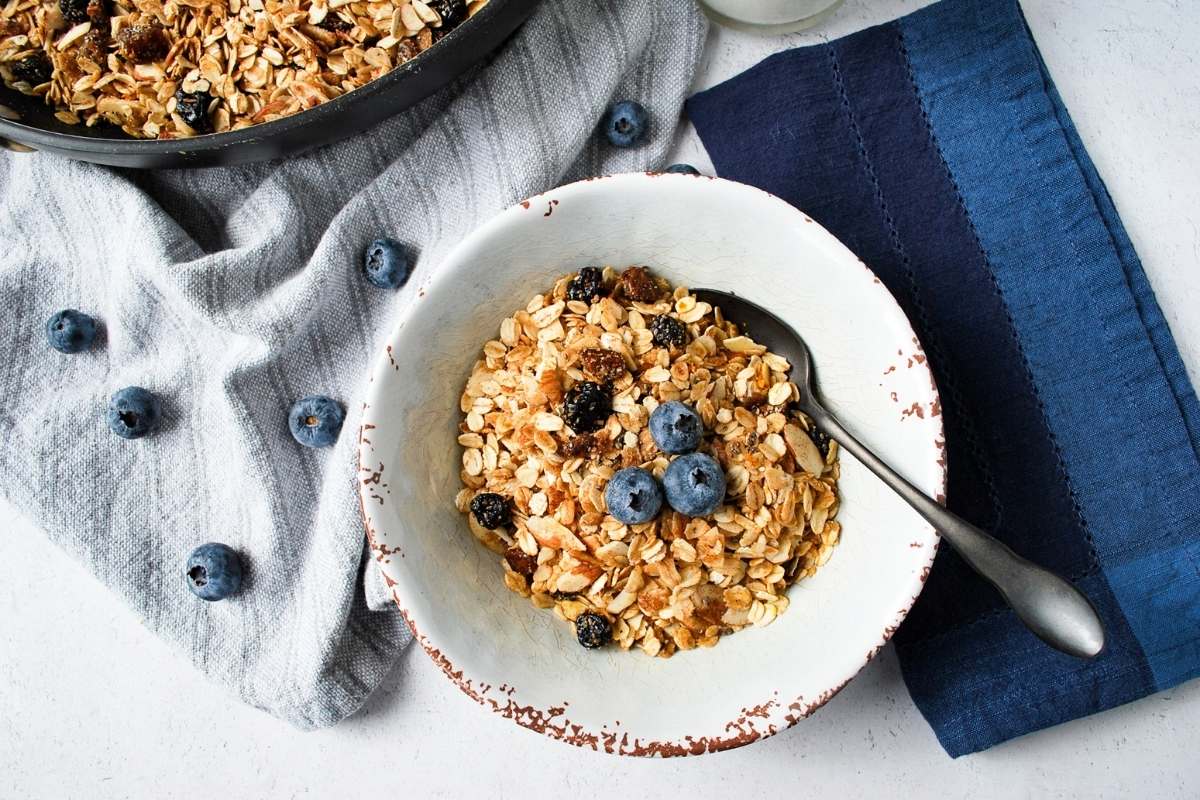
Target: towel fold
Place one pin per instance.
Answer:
(232, 293)
(937, 148)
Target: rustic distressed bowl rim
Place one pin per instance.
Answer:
(745, 728)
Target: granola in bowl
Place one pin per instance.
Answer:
(170, 69)
(561, 402)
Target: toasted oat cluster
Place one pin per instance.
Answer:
(173, 68)
(675, 582)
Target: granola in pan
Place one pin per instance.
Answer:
(173, 68)
(562, 401)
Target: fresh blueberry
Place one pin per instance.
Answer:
(626, 123)
(386, 264)
(695, 485)
(633, 496)
(214, 571)
(676, 427)
(682, 169)
(134, 412)
(71, 331)
(316, 421)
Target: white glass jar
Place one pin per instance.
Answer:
(769, 16)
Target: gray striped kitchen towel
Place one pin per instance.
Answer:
(233, 292)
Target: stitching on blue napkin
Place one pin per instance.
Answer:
(1094, 566)
(931, 341)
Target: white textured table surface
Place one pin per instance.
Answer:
(92, 705)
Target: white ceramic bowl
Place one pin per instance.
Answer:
(524, 663)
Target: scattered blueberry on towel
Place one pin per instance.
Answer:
(592, 630)
(491, 510)
(676, 427)
(633, 496)
(626, 123)
(214, 571)
(695, 484)
(70, 331)
(386, 264)
(134, 412)
(316, 420)
(682, 169)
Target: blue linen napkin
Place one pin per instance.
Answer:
(937, 148)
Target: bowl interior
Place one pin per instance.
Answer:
(524, 662)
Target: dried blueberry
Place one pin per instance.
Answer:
(587, 285)
(667, 331)
(452, 12)
(34, 70)
(491, 510)
(192, 107)
(586, 407)
(76, 11)
(592, 630)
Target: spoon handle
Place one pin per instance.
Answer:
(1050, 607)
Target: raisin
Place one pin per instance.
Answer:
(586, 406)
(93, 46)
(141, 44)
(667, 331)
(521, 562)
(34, 70)
(592, 630)
(491, 510)
(639, 286)
(587, 285)
(192, 107)
(603, 365)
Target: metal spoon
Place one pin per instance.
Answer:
(1052, 608)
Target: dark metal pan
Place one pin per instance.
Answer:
(337, 119)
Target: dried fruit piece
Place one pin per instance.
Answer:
(491, 510)
(667, 331)
(639, 286)
(76, 11)
(603, 365)
(592, 630)
(192, 107)
(141, 44)
(587, 285)
(521, 562)
(586, 407)
(34, 70)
